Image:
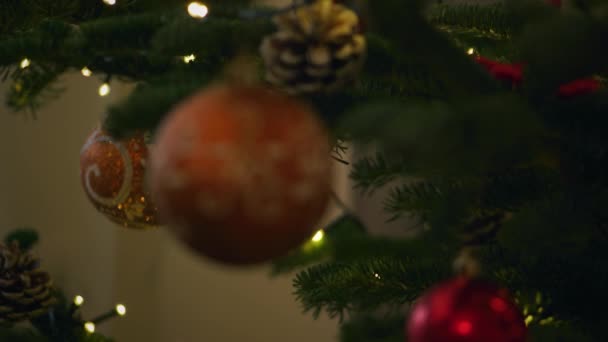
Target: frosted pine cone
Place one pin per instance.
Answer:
(25, 290)
(317, 48)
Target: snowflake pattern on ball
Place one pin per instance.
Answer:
(241, 174)
(254, 166)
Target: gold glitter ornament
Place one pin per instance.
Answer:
(317, 48)
(113, 175)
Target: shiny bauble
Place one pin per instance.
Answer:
(113, 175)
(466, 310)
(241, 174)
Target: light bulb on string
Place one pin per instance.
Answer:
(86, 72)
(104, 89)
(118, 310)
(470, 51)
(197, 10)
(318, 236)
(110, 2)
(76, 304)
(89, 327)
(121, 310)
(189, 59)
(25, 63)
(78, 300)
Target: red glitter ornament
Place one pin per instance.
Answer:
(113, 176)
(578, 87)
(241, 174)
(466, 310)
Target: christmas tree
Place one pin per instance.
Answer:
(485, 121)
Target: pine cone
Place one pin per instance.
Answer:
(25, 291)
(317, 48)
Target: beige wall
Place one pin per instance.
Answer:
(39, 182)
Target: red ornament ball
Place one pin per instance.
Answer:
(241, 174)
(466, 310)
(113, 175)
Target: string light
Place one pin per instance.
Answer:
(25, 63)
(190, 58)
(118, 310)
(197, 10)
(104, 89)
(377, 276)
(78, 300)
(86, 72)
(121, 310)
(470, 51)
(90, 327)
(318, 236)
(110, 2)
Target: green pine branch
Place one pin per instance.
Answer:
(419, 198)
(148, 104)
(371, 173)
(346, 241)
(564, 47)
(453, 139)
(414, 37)
(494, 21)
(365, 285)
(487, 29)
(33, 87)
(25, 237)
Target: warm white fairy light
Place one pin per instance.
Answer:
(90, 327)
(25, 63)
(104, 89)
(86, 72)
(78, 300)
(377, 276)
(190, 58)
(110, 2)
(197, 10)
(470, 51)
(121, 310)
(318, 236)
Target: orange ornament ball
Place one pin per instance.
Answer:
(113, 175)
(241, 174)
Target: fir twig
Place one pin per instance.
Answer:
(489, 20)
(371, 173)
(416, 197)
(33, 86)
(364, 285)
